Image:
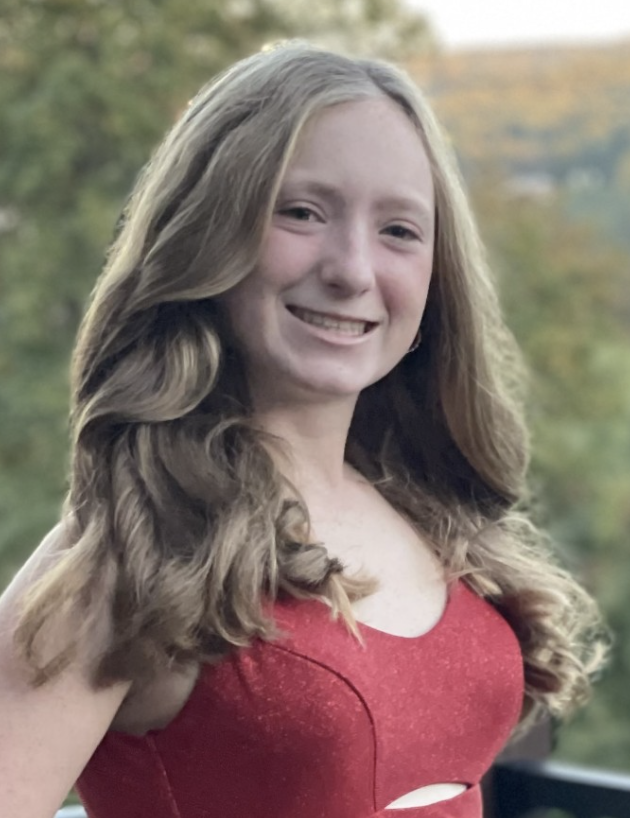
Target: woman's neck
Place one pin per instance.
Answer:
(315, 437)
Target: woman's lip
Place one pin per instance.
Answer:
(331, 335)
(332, 315)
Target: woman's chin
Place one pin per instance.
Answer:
(309, 391)
(326, 390)
(306, 381)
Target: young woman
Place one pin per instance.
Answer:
(291, 577)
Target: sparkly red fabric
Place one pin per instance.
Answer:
(317, 725)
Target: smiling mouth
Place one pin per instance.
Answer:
(346, 326)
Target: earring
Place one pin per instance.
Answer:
(416, 342)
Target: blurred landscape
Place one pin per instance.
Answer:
(550, 119)
(543, 136)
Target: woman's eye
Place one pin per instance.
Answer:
(301, 214)
(398, 231)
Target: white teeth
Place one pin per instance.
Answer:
(321, 320)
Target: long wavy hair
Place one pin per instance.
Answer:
(178, 523)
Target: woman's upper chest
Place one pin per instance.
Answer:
(371, 537)
(366, 534)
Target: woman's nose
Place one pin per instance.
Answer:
(349, 263)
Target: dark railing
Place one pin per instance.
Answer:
(521, 789)
(528, 789)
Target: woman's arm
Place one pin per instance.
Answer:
(47, 734)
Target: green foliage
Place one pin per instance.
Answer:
(382, 28)
(565, 291)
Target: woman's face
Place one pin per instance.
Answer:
(339, 291)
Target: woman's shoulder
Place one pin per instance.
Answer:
(41, 562)
(19, 603)
(45, 556)
(49, 730)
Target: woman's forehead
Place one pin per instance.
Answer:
(372, 140)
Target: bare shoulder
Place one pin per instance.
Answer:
(134, 709)
(42, 560)
(47, 733)
(44, 557)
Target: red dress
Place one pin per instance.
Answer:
(318, 726)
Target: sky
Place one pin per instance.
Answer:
(472, 23)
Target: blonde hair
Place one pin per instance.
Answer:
(177, 517)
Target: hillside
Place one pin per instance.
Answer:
(543, 116)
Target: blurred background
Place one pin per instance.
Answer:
(536, 98)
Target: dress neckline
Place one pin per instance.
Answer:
(452, 592)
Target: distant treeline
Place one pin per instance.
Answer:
(544, 117)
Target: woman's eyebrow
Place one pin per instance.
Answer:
(304, 186)
(409, 203)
